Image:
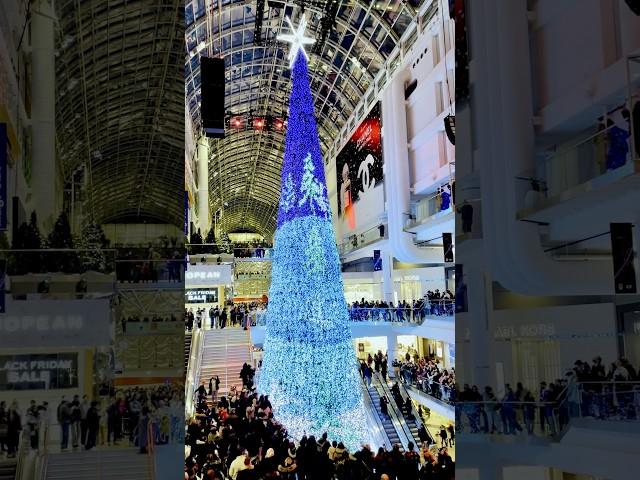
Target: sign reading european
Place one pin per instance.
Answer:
(207, 275)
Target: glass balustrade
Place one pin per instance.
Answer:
(610, 401)
(443, 309)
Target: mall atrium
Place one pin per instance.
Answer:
(322, 228)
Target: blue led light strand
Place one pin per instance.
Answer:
(310, 371)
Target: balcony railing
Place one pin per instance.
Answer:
(595, 155)
(426, 208)
(444, 309)
(611, 401)
(152, 271)
(362, 239)
(195, 249)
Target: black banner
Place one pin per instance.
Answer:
(39, 372)
(201, 296)
(447, 245)
(622, 251)
(359, 163)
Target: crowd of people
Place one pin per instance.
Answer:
(151, 266)
(240, 314)
(238, 438)
(588, 389)
(137, 415)
(427, 374)
(124, 320)
(433, 303)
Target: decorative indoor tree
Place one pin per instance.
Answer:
(310, 371)
(27, 238)
(61, 238)
(93, 243)
(211, 240)
(196, 243)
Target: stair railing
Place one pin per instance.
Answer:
(418, 421)
(22, 453)
(151, 463)
(193, 369)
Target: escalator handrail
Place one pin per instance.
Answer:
(370, 404)
(418, 420)
(399, 423)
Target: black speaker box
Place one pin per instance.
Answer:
(212, 96)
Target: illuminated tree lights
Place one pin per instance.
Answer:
(309, 370)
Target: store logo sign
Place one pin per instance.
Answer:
(532, 330)
(56, 323)
(41, 323)
(203, 275)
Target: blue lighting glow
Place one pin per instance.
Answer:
(310, 371)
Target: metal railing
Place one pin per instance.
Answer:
(193, 369)
(397, 417)
(611, 401)
(373, 414)
(425, 208)
(444, 309)
(36, 261)
(437, 390)
(166, 270)
(23, 450)
(592, 156)
(195, 249)
(438, 308)
(362, 239)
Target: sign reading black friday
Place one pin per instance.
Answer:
(209, 295)
(52, 371)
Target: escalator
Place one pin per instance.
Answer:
(410, 426)
(187, 350)
(415, 423)
(385, 420)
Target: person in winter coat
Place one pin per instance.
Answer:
(287, 469)
(238, 465)
(93, 425)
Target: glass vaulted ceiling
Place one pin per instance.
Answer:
(120, 105)
(244, 167)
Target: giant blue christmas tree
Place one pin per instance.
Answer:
(310, 369)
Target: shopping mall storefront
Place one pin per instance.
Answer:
(207, 286)
(52, 348)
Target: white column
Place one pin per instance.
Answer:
(43, 112)
(203, 185)
(392, 347)
(480, 335)
(387, 276)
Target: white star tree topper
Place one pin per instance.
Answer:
(297, 39)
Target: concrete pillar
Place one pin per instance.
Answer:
(480, 335)
(387, 276)
(43, 112)
(203, 185)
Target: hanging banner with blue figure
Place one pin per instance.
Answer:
(4, 145)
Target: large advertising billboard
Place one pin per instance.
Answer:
(359, 164)
(39, 371)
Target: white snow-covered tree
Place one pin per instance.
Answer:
(93, 243)
(312, 190)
